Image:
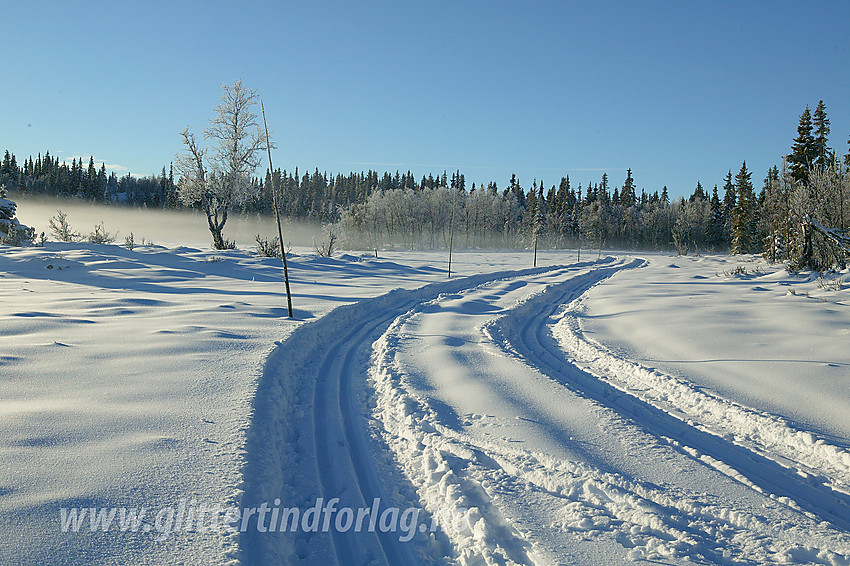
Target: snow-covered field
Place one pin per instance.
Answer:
(635, 407)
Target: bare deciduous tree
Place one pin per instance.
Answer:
(219, 177)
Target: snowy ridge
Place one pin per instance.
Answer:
(814, 459)
(455, 400)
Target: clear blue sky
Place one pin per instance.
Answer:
(679, 91)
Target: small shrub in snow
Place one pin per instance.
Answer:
(100, 236)
(325, 248)
(271, 248)
(129, 243)
(61, 229)
(268, 248)
(829, 284)
(742, 271)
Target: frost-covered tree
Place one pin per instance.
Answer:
(775, 215)
(847, 156)
(12, 232)
(816, 211)
(218, 177)
(61, 229)
(692, 224)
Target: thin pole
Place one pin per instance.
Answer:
(578, 246)
(535, 249)
(277, 213)
(451, 230)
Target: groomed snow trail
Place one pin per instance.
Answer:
(811, 470)
(458, 400)
(534, 342)
(307, 441)
(482, 410)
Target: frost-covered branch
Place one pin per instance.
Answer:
(835, 236)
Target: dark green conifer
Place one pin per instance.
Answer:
(744, 213)
(804, 151)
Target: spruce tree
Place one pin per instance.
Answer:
(743, 214)
(716, 230)
(699, 193)
(6, 168)
(628, 195)
(804, 150)
(822, 152)
(729, 200)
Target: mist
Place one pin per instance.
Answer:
(162, 227)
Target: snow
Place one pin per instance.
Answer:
(767, 340)
(560, 451)
(128, 380)
(630, 408)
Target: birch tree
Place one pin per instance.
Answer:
(217, 177)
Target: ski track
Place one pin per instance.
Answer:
(535, 344)
(306, 440)
(814, 459)
(335, 417)
(811, 492)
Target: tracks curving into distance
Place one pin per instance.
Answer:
(527, 332)
(342, 453)
(308, 437)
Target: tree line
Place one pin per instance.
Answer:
(51, 176)
(787, 219)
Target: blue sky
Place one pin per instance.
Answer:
(679, 92)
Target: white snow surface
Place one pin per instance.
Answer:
(625, 409)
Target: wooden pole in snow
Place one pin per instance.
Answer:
(535, 249)
(451, 230)
(277, 213)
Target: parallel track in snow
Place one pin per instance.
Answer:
(336, 425)
(322, 360)
(323, 450)
(534, 342)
